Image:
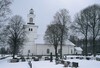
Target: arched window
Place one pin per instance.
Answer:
(48, 51)
(31, 29)
(71, 51)
(31, 20)
(59, 51)
(28, 51)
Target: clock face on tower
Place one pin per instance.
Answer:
(31, 20)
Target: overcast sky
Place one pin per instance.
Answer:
(45, 9)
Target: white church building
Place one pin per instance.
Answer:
(32, 47)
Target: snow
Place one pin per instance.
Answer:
(47, 64)
(67, 42)
(78, 48)
(35, 64)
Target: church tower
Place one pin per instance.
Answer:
(31, 34)
(30, 17)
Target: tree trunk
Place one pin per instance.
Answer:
(61, 51)
(13, 55)
(61, 43)
(56, 52)
(14, 51)
(94, 51)
(86, 47)
(86, 42)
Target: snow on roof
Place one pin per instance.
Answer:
(40, 40)
(78, 48)
(68, 42)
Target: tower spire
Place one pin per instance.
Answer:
(31, 16)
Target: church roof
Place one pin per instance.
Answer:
(67, 42)
(41, 41)
(78, 48)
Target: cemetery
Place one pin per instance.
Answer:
(37, 62)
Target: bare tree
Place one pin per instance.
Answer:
(52, 36)
(94, 23)
(4, 12)
(81, 25)
(88, 23)
(4, 9)
(62, 17)
(16, 35)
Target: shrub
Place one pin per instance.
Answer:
(33, 57)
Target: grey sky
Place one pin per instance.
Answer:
(45, 9)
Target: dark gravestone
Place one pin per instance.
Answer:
(69, 63)
(74, 64)
(36, 59)
(88, 58)
(62, 61)
(47, 58)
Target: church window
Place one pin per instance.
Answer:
(31, 29)
(48, 51)
(71, 51)
(31, 20)
(28, 51)
(59, 51)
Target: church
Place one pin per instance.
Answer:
(31, 47)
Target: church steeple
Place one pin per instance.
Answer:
(31, 11)
(30, 17)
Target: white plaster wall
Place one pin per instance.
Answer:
(42, 49)
(78, 52)
(28, 46)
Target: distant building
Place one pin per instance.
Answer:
(32, 47)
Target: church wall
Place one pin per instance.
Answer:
(42, 49)
(29, 46)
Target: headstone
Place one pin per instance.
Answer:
(65, 64)
(74, 64)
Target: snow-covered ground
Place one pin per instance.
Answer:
(47, 64)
